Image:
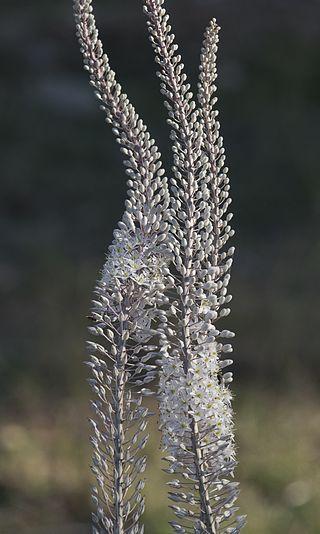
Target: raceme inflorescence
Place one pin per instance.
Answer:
(161, 297)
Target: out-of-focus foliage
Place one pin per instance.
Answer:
(279, 470)
(62, 192)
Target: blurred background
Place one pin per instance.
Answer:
(62, 193)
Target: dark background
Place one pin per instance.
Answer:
(62, 193)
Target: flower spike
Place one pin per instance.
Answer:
(195, 400)
(128, 294)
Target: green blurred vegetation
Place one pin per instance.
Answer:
(62, 192)
(45, 476)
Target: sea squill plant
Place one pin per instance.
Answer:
(161, 297)
(195, 400)
(128, 294)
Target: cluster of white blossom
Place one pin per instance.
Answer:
(134, 256)
(200, 394)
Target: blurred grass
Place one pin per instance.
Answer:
(45, 478)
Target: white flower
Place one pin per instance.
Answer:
(199, 393)
(133, 256)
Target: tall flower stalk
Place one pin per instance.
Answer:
(128, 295)
(195, 401)
(163, 291)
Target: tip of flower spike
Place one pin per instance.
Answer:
(214, 25)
